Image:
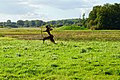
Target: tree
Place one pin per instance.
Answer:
(105, 17)
(83, 19)
(20, 23)
(32, 23)
(26, 23)
(38, 23)
(8, 23)
(1, 24)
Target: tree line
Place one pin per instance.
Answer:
(104, 17)
(67, 22)
(38, 23)
(21, 23)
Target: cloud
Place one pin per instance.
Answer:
(47, 9)
(64, 4)
(52, 9)
(13, 7)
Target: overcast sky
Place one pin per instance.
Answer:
(47, 9)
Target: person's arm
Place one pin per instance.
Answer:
(51, 29)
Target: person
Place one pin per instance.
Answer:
(50, 37)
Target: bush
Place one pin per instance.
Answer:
(72, 27)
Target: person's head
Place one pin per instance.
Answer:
(47, 26)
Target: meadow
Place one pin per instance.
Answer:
(78, 55)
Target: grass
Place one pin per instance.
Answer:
(72, 27)
(74, 57)
(75, 35)
(68, 60)
(20, 31)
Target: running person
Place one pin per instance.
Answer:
(50, 37)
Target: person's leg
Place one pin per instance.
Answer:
(45, 38)
(52, 40)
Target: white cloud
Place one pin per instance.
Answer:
(64, 4)
(46, 9)
(61, 9)
(13, 7)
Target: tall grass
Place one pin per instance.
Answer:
(75, 35)
(72, 27)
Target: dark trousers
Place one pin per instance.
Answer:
(50, 38)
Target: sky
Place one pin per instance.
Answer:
(47, 10)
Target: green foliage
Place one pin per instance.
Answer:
(105, 17)
(21, 23)
(66, 22)
(72, 27)
(38, 23)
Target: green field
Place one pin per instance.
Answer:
(78, 55)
